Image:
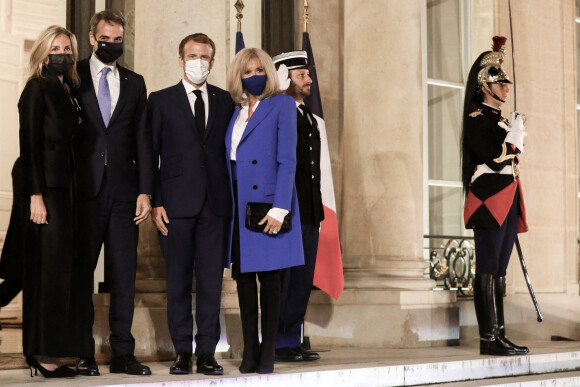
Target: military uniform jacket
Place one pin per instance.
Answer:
(495, 180)
(308, 169)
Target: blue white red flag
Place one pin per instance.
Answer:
(328, 275)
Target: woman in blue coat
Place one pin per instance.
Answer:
(261, 146)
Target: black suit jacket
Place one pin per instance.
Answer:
(126, 140)
(308, 170)
(191, 167)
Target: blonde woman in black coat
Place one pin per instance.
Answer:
(40, 244)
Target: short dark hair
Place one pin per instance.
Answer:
(109, 16)
(198, 38)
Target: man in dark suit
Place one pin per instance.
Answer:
(192, 201)
(117, 178)
(297, 280)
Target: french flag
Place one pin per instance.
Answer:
(328, 275)
(240, 45)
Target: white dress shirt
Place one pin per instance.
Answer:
(189, 89)
(240, 127)
(113, 79)
(237, 133)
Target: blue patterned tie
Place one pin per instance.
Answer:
(104, 96)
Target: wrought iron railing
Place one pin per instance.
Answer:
(452, 262)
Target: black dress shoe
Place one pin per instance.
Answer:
(87, 366)
(182, 364)
(288, 355)
(127, 364)
(207, 365)
(306, 355)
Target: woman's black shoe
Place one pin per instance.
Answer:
(60, 372)
(250, 359)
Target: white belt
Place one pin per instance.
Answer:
(483, 168)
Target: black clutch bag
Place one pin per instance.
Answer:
(255, 212)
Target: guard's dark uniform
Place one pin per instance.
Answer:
(491, 194)
(297, 280)
(494, 205)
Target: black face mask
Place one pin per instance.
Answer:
(60, 63)
(109, 52)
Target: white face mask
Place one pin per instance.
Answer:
(197, 70)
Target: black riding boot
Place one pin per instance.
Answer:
(248, 299)
(483, 299)
(270, 289)
(499, 285)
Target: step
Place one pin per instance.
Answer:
(549, 363)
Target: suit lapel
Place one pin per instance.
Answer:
(123, 93)
(261, 112)
(87, 92)
(231, 130)
(212, 101)
(184, 106)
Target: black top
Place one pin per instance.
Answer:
(485, 144)
(308, 170)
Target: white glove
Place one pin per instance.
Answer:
(516, 133)
(283, 77)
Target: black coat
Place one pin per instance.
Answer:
(49, 135)
(192, 168)
(57, 308)
(126, 139)
(308, 171)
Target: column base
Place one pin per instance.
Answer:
(383, 319)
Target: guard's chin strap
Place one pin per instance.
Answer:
(496, 97)
(488, 89)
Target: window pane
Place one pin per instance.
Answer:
(444, 40)
(446, 211)
(445, 106)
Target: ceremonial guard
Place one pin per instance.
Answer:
(294, 77)
(494, 206)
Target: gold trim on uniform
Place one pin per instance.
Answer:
(476, 113)
(504, 156)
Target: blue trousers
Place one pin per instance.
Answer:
(501, 240)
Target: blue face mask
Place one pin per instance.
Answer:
(255, 84)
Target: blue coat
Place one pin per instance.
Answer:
(265, 165)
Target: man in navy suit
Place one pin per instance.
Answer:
(192, 201)
(116, 178)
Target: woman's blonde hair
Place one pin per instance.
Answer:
(41, 49)
(240, 64)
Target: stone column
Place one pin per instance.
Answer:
(382, 220)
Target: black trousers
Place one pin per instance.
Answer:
(195, 244)
(296, 287)
(110, 221)
(247, 286)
